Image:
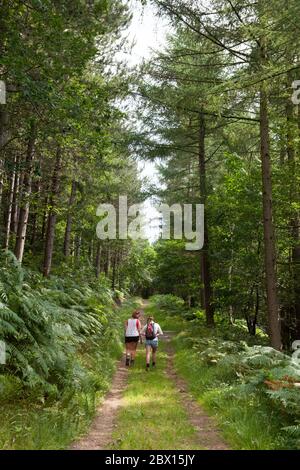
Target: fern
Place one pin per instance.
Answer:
(45, 325)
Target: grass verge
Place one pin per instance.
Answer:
(35, 424)
(227, 377)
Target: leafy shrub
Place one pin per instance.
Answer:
(169, 302)
(239, 372)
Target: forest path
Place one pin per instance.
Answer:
(151, 410)
(208, 435)
(100, 433)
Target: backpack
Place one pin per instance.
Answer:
(150, 331)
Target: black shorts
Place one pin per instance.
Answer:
(132, 339)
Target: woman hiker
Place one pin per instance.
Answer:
(151, 331)
(132, 335)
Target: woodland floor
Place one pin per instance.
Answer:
(151, 410)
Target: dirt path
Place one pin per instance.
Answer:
(208, 435)
(100, 434)
(105, 422)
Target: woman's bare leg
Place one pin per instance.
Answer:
(154, 356)
(128, 353)
(148, 354)
(133, 351)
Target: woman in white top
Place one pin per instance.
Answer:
(132, 335)
(151, 331)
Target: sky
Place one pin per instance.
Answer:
(148, 33)
(147, 30)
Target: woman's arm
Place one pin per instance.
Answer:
(143, 330)
(140, 331)
(159, 330)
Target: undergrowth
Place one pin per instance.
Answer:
(252, 388)
(62, 338)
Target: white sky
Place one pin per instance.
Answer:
(148, 33)
(146, 30)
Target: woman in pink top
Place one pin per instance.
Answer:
(132, 335)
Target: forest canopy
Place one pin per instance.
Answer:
(213, 113)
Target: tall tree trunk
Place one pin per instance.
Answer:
(1, 180)
(114, 268)
(251, 310)
(4, 118)
(3, 141)
(45, 215)
(50, 233)
(14, 213)
(68, 231)
(120, 262)
(77, 251)
(34, 215)
(107, 263)
(33, 228)
(204, 254)
(20, 196)
(98, 259)
(4, 123)
(9, 206)
(269, 236)
(73, 249)
(24, 206)
(91, 251)
(231, 310)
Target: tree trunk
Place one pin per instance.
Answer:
(3, 126)
(50, 233)
(98, 259)
(3, 140)
(24, 207)
(251, 314)
(67, 240)
(20, 197)
(33, 225)
(120, 264)
(45, 214)
(107, 264)
(91, 251)
(269, 236)
(34, 216)
(78, 246)
(231, 310)
(9, 206)
(204, 254)
(4, 118)
(114, 269)
(15, 211)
